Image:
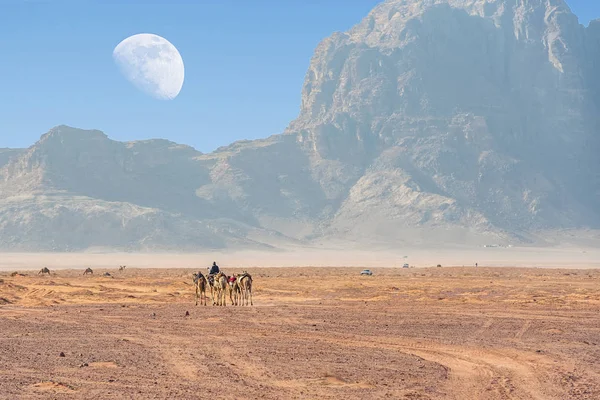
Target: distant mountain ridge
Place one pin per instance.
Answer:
(460, 121)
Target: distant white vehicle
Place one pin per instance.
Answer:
(366, 272)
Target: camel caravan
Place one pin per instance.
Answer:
(239, 287)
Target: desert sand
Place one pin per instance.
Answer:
(419, 333)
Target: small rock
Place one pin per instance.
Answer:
(187, 313)
(83, 365)
(61, 354)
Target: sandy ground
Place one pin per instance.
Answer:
(423, 333)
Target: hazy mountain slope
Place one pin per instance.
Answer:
(431, 121)
(76, 189)
(7, 154)
(478, 115)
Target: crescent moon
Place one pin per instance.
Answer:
(152, 64)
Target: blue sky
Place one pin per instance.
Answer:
(245, 63)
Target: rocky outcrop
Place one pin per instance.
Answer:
(480, 107)
(430, 121)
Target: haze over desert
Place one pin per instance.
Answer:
(369, 199)
(415, 333)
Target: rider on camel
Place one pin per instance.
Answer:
(214, 269)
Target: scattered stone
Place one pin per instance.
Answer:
(187, 313)
(61, 354)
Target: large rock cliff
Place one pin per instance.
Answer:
(431, 121)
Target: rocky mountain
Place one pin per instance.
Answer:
(431, 121)
(460, 113)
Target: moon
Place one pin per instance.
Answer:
(152, 64)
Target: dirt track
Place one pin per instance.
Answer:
(438, 333)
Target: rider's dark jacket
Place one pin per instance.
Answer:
(214, 269)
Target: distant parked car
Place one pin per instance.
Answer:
(405, 266)
(366, 272)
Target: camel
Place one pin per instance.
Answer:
(245, 283)
(200, 283)
(88, 271)
(234, 289)
(210, 281)
(121, 267)
(44, 270)
(219, 287)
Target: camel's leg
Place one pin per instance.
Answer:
(250, 292)
(196, 294)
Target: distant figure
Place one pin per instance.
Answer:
(214, 269)
(88, 271)
(44, 270)
(475, 265)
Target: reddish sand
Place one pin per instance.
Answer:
(432, 333)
